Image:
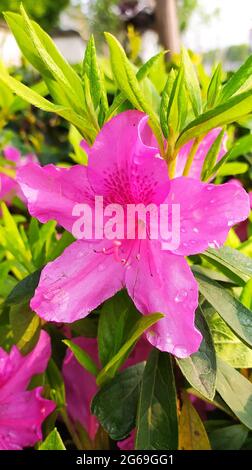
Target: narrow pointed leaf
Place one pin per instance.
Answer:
(157, 423)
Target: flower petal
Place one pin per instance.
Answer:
(81, 386)
(21, 416)
(17, 370)
(207, 212)
(77, 282)
(52, 192)
(121, 167)
(12, 154)
(204, 146)
(162, 282)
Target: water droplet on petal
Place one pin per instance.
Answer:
(138, 257)
(180, 351)
(195, 230)
(214, 244)
(181, 295)
(209, 187)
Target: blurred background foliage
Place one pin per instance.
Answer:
(45, 12)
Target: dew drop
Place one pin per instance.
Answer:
(181, 295)
(195, 230)
(180, 351)
(209, 187)
(214, 244)
(138, 257)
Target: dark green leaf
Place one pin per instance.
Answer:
(115, 405)
(24, 290)
(157, 422)
(200, 368)
(231, 259)
(233, 312)
(143, 324)
(117, 318)
(236, 391)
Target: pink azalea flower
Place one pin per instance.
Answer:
(81, 385)
(22, 412)
(124, 169)
(9, 188)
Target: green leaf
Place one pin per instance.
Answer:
(157, 422)
(25, 327)
(24, 290)
(164, 105)
(144, 323)
(117, 318)
(52, 442)
(232, 260)
(92, 71)
(35, 99)
(246, 295)
(142, 73)
(214, 87)
(200, 368)
(41, 51)
(227, 345)
(237, 81)
(211, 157)
(242, 146)
(236, 391)
(229, 437)
(176, 106)
(233, 168)
(127, 82)
(192, 434)
(56, 383)
(82, 357)
(225, 113)
(11, 239)
(75, 138)
(192, 82)
(234, 313)
(115, 405)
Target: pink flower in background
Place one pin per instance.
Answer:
(124, 167)
(242, 228)
(81, 385)
(22, 412)
(9, 188)
(203, 148)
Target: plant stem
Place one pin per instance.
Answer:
(191, 156)
(71, 430)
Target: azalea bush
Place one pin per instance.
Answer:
(112, 339)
